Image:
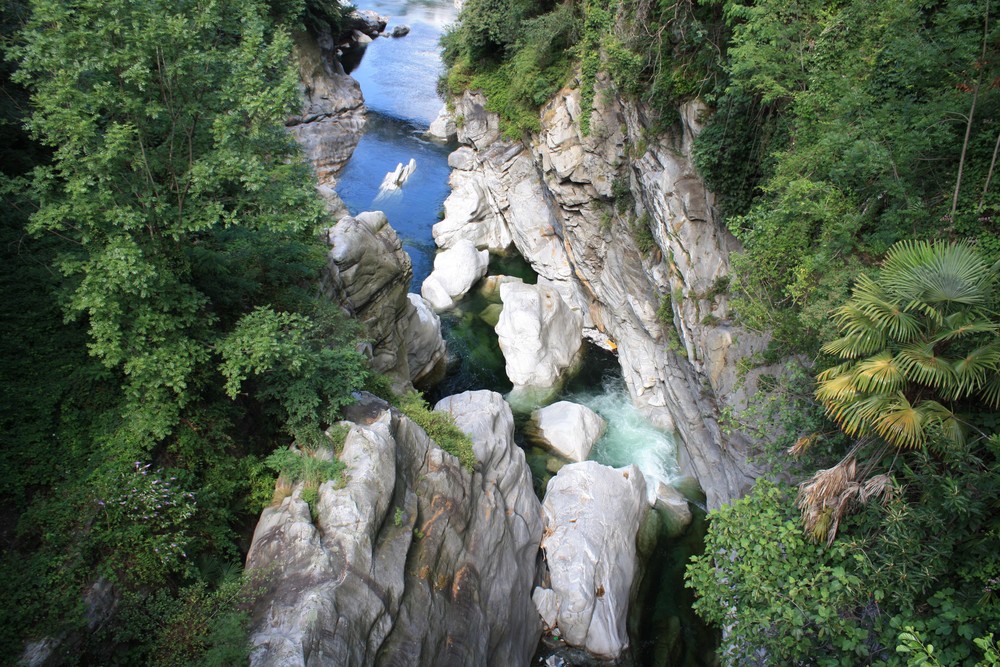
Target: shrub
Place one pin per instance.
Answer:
(440, 426)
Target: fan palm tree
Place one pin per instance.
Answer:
(919, 343)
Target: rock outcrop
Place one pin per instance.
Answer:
(592, 516)
(456, 270)
(574, 206)
(332, 118)
(569, 429)
(368, 272)
(414, 560)
(539, 334)
(443, 128)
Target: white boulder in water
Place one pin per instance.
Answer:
(569, 429)
(395, 179)
(539, 334)
(456, 270)
(592, 515)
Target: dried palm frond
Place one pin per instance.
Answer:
(830, 494)
(803, 444)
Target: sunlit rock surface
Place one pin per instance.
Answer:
(539, 334)
(570, 429)
(592, 515)
(574, 205)
(414, 561)
(456, 270)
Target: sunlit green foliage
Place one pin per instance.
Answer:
(440, 426)
(919, 341)
(847, 126)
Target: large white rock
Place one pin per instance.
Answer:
(539, 334)
(568, 428)
(592, 515)
(414, 560)
(456, 270)
(469, 215)
(443, 127)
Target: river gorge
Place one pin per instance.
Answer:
(541, 209)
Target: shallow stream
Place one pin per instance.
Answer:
(399, 80)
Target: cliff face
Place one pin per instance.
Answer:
(332, 118)
(414, 560)
(579, 208)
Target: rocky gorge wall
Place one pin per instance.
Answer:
(578, 207)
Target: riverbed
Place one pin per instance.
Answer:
(398, 77)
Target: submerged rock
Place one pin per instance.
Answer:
(539, 334)
(443, 126)
(568, 428)
(400, 31)
(456, 270)
(415, 560)
(592, 515)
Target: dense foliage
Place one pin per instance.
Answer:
(163, 331)
(909, 517)
(853, 126)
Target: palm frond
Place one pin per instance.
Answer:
(880, 373)
(962, 324)
(991, 390)
(837, 389)
(919, 362)
(938, 274)
(972, 370)
(901, 425)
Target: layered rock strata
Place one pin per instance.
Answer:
(578, 208)
(332, 118)
(414, 560)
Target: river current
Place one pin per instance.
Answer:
(398, 77)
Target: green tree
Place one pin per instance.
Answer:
(175, 210)
(165, 125)
(920, 340)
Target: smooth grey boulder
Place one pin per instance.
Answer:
(673, 507)
(592, 516)
(427, 354)
(569, 429)
(368, 272)
(456, 270)
(400, 31)
(414, 560)
(539, 334)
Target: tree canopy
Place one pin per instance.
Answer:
(170, 276)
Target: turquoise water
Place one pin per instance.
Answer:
(630, 438)
(399, 78)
